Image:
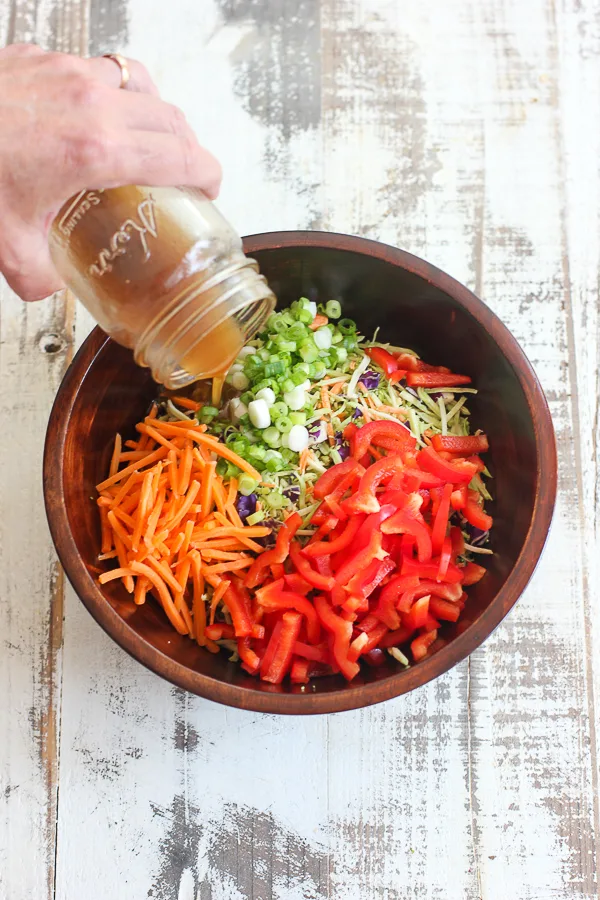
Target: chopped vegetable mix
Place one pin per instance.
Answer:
(329, 511)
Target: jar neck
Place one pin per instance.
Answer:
(200, 332)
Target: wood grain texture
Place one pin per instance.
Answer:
(467, 133)
(36, 343)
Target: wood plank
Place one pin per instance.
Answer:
(459, 133)
(531, 708)
(35, 347)
(180, 798)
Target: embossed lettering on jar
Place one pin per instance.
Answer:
(164, 274)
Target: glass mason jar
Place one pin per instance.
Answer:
(164, 274)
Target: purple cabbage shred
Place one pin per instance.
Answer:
(342, 446)
(246, 506)
(370, 379)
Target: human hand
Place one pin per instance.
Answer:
(65, 127)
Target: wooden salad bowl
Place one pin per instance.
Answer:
(415, 305)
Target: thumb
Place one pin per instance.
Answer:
(29, 270)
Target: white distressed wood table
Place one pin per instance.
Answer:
(468, 132)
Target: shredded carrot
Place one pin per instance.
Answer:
(141, 589)
(232, 492)
(228, 566)
(115, 573)
(216, 597)
(114, 463)
(336, 388)
(106, 532)
(187, 403)
(122, 473)
(170, 522)
(216, 446)
(325, 399)
(185, 468)
(164, 595)
(303, 460)
(318, 321)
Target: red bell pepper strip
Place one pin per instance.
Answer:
(369, 623)
(477, 462)
(405, 522)
(417, 616)
(408, 361)
(223, 631)
(458, 498)
(440, 524)
(421, 645)
(445, 557)
(430, 623)
(326, 548)
(476, 517)
(299, 671)
(376, 432)
(276, 570)
(237, 601)
(389, 596)
(473, 573)
(458, 541)
(397, 376)
(249, 658)
(383, 359)
(317, 653)
(329, 480)
(375, 637)
(370, 524)
(397, 637)
(364, 583)
(304, 568)
(273, 597)
(355, 604)
(341, 632)
(430, 570)
(422, 479)
(364, 500)
(357, 646)
(297, 583)
(435, 495)
(467, 445)
(435, 379)
(443, 609)
(278, 655)
(329, 525)
(278, 554)
(358, 561)
(454, 473)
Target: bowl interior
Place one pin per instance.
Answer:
(409, 310)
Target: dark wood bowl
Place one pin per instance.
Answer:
(415, 305)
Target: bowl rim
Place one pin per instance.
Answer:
(448, 656)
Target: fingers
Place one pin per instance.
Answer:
(146, 112)
(108, 72)
(152, 158)
(31, 275)
(21, 51)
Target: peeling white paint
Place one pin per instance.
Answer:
(466, 133)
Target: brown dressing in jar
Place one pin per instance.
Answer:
(164, 274)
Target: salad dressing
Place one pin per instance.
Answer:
(165, 275)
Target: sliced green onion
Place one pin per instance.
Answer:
(271, 437)
(333, 309)
(247, 484)
(255, 518)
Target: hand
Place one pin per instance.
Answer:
(66, 126)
